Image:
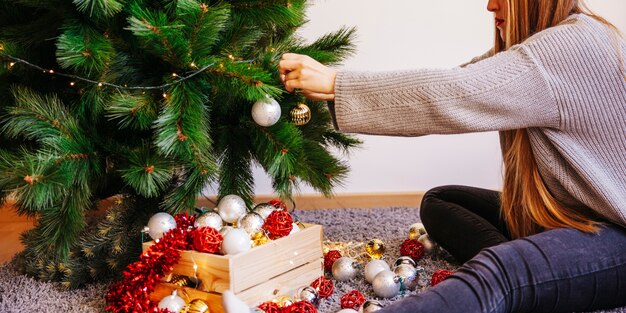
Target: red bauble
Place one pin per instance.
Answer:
(330, 258)
(412, 248)
(301, 307)
(207, 239)
(270, 307)
(278, 224)
(324, 287)
(352, 300)
(278, 204)
(439, 276)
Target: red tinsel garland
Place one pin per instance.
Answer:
(300, 307)
(412, 248)
(270, 307)
(324, 287)
(329, 258)
(439, 276)
(207, 239)
(278, 204)
(186, 221)
(278, 224)
(352, 300)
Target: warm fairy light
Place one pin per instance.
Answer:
(195, 267)
(174, 75)
(164, 95)
(100, 84)
(51, 71)
(72, 83)
(230, 56)
(12, 64)
(193, 64)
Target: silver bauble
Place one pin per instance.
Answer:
(374, 267)
(225, 229)
(345, 268)
(160, 224)
(251, 223)
(236, 241)
(405, 260)
(429, 245)
(264, 209)
(372, 306)
(231, 208)
(386, 284)
(309, 294)
(347, 311)
(266, 112)
(409, 275)
(209, 219)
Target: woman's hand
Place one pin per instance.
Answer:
(315, 80)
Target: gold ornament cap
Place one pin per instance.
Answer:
(300, 114)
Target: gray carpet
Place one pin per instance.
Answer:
(22, 294)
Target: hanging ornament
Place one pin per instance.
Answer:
(300, 114)
(264, 209)
(439, 276)
(160, 224)
(301, 307)
(196, 306)
(352, 300)
(429, 245)
(179, 280)
(236, 241)
(375, 248)
(329, 258)
(416, 230)
(405, 260)
(374, 267)
(266, 112)
(231, 208)
(270, 307)
(172, 303)
(387, 284)
(309, 294)
(412, 248)
(251, 223)
(345, 269)
(207, 240)
(372, 306)
(209, 219)
(259, 238)
(323, 286)
(278, 224)
(409, 275)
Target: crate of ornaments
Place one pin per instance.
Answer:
(258, 254)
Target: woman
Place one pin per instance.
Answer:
(555, 87)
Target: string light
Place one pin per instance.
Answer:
(164, 95)
(72, 84)
(193, 64)
(12, 64)
(100, 84)
(174, 75)
(51, 71)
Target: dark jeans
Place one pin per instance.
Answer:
(561, 270)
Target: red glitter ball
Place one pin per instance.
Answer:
(301, 307)
(207, 239)
(270, 307)
(324, 287)
(278, 204)
(412, 248)
(439, 276)
(330, 258)
(278, 224)
(352, 300)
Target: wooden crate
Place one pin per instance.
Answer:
(278, 267)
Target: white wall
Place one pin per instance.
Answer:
(402, 34)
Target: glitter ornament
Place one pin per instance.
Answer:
(439, 276)
(374, 267)
(196, 306)
(266, 112)
(172, 303)
(405, 260)
(264, 209)
(160, 224)
(409, 275)
(231, 208)
(375, 248)
(236, 241)
(352, 300)
(251, 223)
(416, 230)
(345, 269)
(259, 238)
(323, 286)
(329, 258)
(412, 248)
(207, 240)
(209, 219)
(429, 245)
(300, 114)
(309, 294)
(386, 284)
(372, 306)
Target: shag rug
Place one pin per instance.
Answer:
(20, 294)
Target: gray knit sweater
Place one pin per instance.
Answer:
(564, 84)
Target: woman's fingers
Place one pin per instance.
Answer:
(286, 66)
(302, 72)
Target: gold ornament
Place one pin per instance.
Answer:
(375, 248)
(179, 280)
(284, 301)
(196, 306)
(416, 230)
(300, 114)
(259, 238)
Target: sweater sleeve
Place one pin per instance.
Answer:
(505, 91)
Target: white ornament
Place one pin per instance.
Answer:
(373, 268)
(172, 303)
(209, 219)
(264, 209)
(409, 275)
(347, 311)
(266, 112)
(386, 284)
(231, 208)
(251, 223)
(236, 241)
(428, 244)
(231, 303)
(345, 268)
(294, 229)
(160, 224)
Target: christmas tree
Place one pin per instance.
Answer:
(148, 102)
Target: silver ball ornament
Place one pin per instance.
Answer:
(266, 112)
(372, 306)
(345, 268)
(225, 229)
(264, 209)
(209, 219)
(386, 284)
(231, 208)
(251, 223)
(405, 260)
(347, 311)
(172, 303)
(160, 224)
(429, 245)
(309, 294)
(236, 241)
(409, 275)
(374, 267)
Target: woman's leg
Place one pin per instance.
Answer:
(463, 220)
(561, 270)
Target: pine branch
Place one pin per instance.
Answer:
(135, 111)
(99, 8)
(83, 49)
(331, 48)
(203, 25)
(148, 173)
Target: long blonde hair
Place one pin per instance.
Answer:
(527, 205)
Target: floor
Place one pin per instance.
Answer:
(11, 226)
